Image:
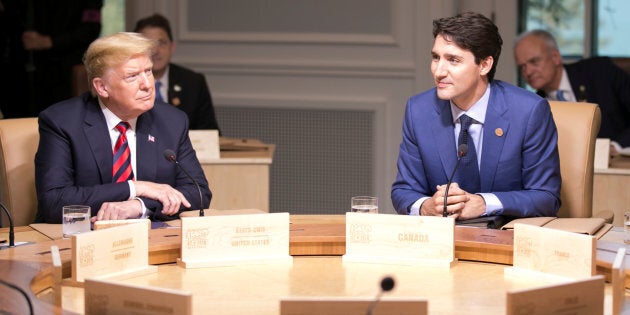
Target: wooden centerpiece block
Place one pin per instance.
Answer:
(552, 252)
(117, 251)
(234, 240)
(398, 239)
(352, 306)
(108, 297)
(580, 297)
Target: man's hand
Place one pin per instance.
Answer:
(455, 201)
(121, 210)
(170, 198)
(474, 207)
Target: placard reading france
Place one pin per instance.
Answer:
(232, 239)
(387, 238)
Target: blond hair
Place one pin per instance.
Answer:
(114, 50)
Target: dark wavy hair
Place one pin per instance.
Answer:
(474, 32)
(155, 20)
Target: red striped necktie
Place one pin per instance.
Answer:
(122, 171)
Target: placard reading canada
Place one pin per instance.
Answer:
(110, 252)
(553, 251)
(235, 239)
(108, 297)
(396, 239)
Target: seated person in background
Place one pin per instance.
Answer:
(178, 86)
(85, 155)
(511, 167)
(594, 80)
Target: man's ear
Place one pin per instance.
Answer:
(485, 65)
(100, 87)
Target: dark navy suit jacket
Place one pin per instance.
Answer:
(600, 81)
(519, 159)
(73, 163)
(188, 91)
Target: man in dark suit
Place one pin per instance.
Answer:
(594, 80)
(84, 157)
(181, 87)
(510, 164)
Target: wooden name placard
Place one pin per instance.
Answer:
(234, 240)
(107, 297)
(206, 144)
(553, 252)
(116, 251)
(397, 239)
(583, 297)
(352, 306)
(619, 281)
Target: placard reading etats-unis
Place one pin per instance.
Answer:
(111, 252)
(235, 240)
(396, 239)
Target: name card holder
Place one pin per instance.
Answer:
(119, 251)
(107, 297)
(619, 281)
(206, 144)
(581, 297)
(352, 306)
(552, 252)
(403, 240)
(57, 274)
(235, 240)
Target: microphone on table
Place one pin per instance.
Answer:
(11, 227)
(462, 150)
(171, 157)
(387, 284)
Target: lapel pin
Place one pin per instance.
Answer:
(151, 138)
(498, 132)
(177, 88)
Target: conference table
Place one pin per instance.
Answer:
(476, 284)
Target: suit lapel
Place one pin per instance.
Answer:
(95, 129)
(494, 133)
(146, 148)
(443, 133)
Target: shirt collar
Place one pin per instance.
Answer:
(112, 120)
(477, 111)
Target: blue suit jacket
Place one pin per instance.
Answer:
(519, 161)
(73, 163)
(598, 80)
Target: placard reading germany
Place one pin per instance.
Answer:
(387, 238)
(235, 239)
(110, 252)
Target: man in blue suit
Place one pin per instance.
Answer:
(78, 161)
(595, 80)
(512, 138)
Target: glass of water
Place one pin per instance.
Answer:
(364, 204)
(76, 220)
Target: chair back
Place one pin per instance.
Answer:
(578, 125)
(19, 139)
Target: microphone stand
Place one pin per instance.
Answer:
(11, 227)
(461, 152)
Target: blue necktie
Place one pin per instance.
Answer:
(467, 175)
(560, 96)
(158, 95)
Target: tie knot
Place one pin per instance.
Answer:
(560, 96)
(465, 121)
(123, 126)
